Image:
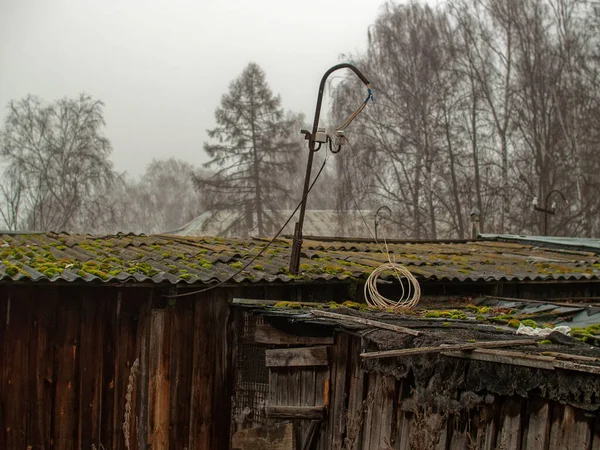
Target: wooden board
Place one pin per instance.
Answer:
(16, 369)
(66, 388)
(337, 411)
(159, 378)
(296, 412)
(538, 425)
(90, 371)
(181, 373)
(509, 435)
(297, 357)
(354, 417)
(202, 372)
(266, 334)
(505, 357)
(275, 437)
(41, 380)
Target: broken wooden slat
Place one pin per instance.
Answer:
(266, 334)
(447, 348)
(296, 357)
(362, 321)
(274, 437)
(312, 435)
(296, 412)
(505, 357)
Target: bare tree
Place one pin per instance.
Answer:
(163, 199)
(59, 158)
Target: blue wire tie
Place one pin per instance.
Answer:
(371, 95)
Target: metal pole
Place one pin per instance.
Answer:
(297, 242)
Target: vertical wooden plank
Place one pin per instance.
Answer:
(223, 375)
(141, 400)
(41, 357)
(339, 362)
(4, 316)
(181, 373)
(16, 367)
(570, 429)
(386, 411)
(442, 442)
(458, 439)
(374, 385)
(202, 373)
(112, 310)
(159, 378)
(356, 398)
(510, 423)
(596, 435)
(66, 368)
(489, 426)
(538, 426)
(321, 397)
(405, 427)
(92, 311)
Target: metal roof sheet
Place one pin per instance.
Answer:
(201, 260)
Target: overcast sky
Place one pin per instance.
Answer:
(162, 66)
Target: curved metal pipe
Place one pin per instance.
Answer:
(297, 243)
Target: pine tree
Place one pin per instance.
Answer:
(252, 158)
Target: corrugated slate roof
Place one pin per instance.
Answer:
(201, 260)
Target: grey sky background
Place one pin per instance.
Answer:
(162, 66)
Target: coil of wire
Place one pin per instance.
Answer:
(409, 287)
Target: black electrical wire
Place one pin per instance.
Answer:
(220, 283)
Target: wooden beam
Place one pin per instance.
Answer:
(505, 357)
(259, 302)
(266, 334)
(447, 348)
(577, 367)
(297, 357)
(296, 412)
(578, 358)
(362, 321)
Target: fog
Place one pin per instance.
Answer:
(162, 66)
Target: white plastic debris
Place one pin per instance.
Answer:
(543, 332)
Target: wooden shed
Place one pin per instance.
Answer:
(449, 385)
(113, 342)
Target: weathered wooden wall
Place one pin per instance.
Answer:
(94, 367)
(368, 410)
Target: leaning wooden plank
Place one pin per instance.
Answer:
(568, 357)
(447, 348)
(296, 357)
(260, 302)
(266, 334)
(505, 357)
(577, 367)
(362, 321)
(275, 437)
(296, 412)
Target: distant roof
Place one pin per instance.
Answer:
(201, 260)
(591, 244)
(317, 222)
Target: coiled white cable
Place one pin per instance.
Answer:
(410, 295)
